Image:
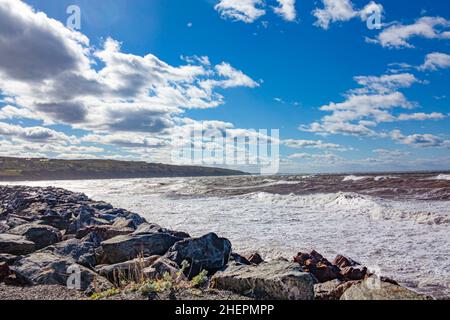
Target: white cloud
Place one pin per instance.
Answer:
(398, 35)
(286, 10)
(364, 108)
(343, 10)
(246, 11)
(422, 116)
(420, 140)
(314, 144)
(435, 61)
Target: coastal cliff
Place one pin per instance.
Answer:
(35, 169)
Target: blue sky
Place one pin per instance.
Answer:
(288, 65)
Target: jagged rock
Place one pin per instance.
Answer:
(105, 232)
(131, 270)
(3, 227)
(160, 267)
(47, 268)
(16, 245)
(255, 258)
(123, 223)
(7, 258)
(209, 253)
(331, 290)
(354, 273)
(56, 221)
(237, 258)
(147, 228)
(278, 280)
(14, 222)
(344, 262)
(81, 251)
(317, 265)
(5, 272)
(374, 289)
(41, 235)
(128, 247)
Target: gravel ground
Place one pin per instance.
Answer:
(55, 292)
(46, 292)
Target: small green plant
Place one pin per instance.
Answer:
(105, 294)
(200, 279)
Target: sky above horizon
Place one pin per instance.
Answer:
(344, 96)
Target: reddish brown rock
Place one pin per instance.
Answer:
(5, 272)
(344, 262)
(354, 273)
(255, 258)
(317, 265)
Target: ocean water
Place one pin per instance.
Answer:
(397, 225)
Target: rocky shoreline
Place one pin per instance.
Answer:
(85, 249)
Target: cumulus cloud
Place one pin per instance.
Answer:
(53, 75)
(246, 11)
(286, 10)
(398, 35)
(435, 61)
(343, 10)
(420, 140)
(314, 144)
(422, 116)
(366, 107)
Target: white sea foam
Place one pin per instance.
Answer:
(354, 178)
(406, 240)
(443, 177)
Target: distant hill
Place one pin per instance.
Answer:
(21, 169)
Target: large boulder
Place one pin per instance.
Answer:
(331, 290)
(41, 235)
(147, 228)
(16, 245)
(129, 270)
(81, 251)
(209, 253)
(47, 268)
(375, 289)
(105, 232)
(279, 280)
(160, 268)
(128, 247)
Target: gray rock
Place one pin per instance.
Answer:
(41, 235)
(128, 247)
(46, 268)
(9, 259)
(130, 270)
(160, 267)
(331, 290)
(122, 223)
(58, 222)
(374, 289)
(147, 228)
(279, 280)
(105, 232)
(81, 251)
(16, 245)
(209, 253)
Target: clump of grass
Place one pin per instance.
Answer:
(200, 280)
(134, 281)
